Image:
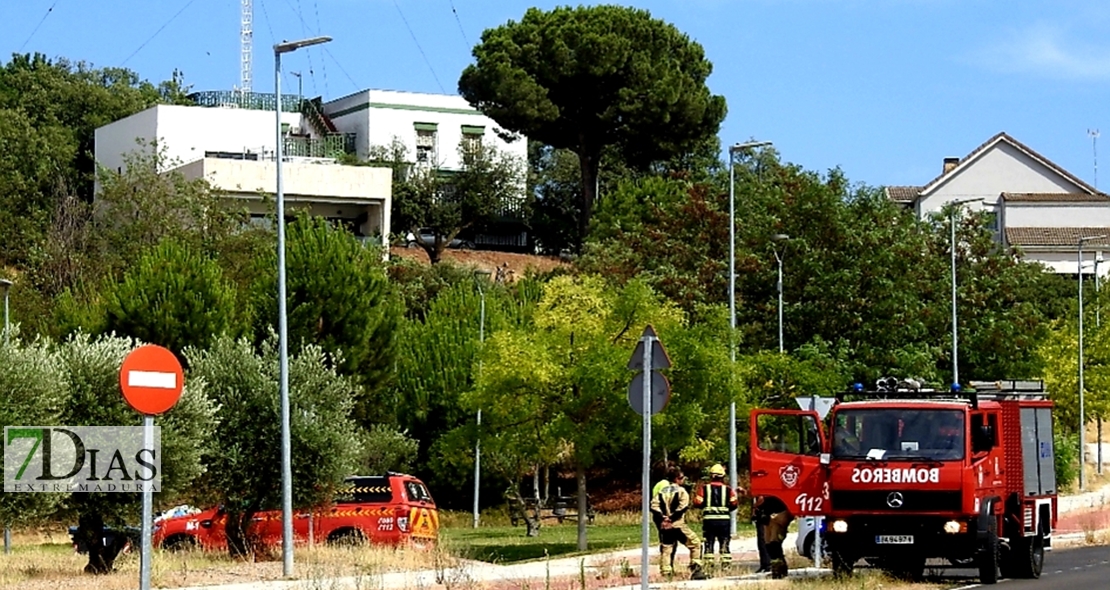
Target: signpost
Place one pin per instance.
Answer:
(654, 392)
(151, 379)
(821, 405)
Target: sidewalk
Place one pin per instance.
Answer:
(1078, 514)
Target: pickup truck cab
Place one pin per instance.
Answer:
(392, 509)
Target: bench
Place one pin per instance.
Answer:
(562, 508)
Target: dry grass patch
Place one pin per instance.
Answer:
(56, 566)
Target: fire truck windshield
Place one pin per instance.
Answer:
(899, 433)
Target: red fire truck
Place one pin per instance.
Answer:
(910, 474)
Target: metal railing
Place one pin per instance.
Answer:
(259, 101)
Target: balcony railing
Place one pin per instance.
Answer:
(259, 101)
(332, 145)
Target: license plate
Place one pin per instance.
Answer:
(894, 539)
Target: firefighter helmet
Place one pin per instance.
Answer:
(717, 470)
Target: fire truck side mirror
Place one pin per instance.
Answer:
(825, 458)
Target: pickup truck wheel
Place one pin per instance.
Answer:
(841, 564)
(987, 560)
(346, 538)
(179, 543)
(1027, 557)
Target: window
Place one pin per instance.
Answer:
(425, 142)
(472, 137)
(788, 433)
(899, 433)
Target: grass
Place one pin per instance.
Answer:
(497, 541)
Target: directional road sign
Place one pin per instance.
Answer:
(660, 392)
(818, 404)
(151, 379)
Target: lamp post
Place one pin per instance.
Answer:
(480, 275)
(1082, 415)
(779, 238)
(955, 333)
(1098, 327)
(732, 306)
(5, 284)
(283, 332)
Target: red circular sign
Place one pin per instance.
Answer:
(151, 379)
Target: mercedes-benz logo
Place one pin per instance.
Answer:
(895, 500)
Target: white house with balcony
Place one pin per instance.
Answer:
(1036, 206)
(231, 141)
(431, 126)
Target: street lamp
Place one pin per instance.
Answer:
(779, 238)
(1098, 327)
(955, 334)
(6, 285)
(1082, 416)
(283, 332)
(480, 275)
(732, 306)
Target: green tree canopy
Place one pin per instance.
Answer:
(594, 76)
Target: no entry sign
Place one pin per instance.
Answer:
(151, 379)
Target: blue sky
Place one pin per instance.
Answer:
(884, 89)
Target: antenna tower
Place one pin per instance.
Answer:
(246, 42)
(1094, 149)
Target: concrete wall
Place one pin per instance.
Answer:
(332, 191)
(187, 133)
(1085, 214)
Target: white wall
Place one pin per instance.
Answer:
(1065, 262)
(187, 132)
(1084, 214)
(380, 115)
(1002, 168)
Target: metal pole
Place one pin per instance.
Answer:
(6, 285)
(1098, 329)
(955, 337)
(478, 439)
(148, 517)
(283, 347)
(732, 476)
(645, 481)
(1082, 417)
(779, 259)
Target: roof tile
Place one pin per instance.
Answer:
(1056, 236)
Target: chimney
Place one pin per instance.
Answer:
(950, 163)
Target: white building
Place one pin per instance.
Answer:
(431, 126)
(1037, 207)
(231, 142)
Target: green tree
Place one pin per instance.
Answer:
(91, 370)
(49, 110)
(338, 298)
(488, 184)
(32, 391)
(561, 382)
(245, 474)
(589, 77)
(173, 297)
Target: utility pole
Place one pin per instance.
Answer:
(1093, 133)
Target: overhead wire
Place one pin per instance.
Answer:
(304, 31)
(463, 32)
(418, 47)
(160, 29)
(36, 29)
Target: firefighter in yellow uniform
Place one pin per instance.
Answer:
(668, 508)
(716, 501)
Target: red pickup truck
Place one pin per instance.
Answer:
(392, 509)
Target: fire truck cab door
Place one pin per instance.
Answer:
(786, 452)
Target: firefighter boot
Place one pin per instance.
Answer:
(697, 572)
(778, 560)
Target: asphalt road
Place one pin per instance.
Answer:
(1064, 569)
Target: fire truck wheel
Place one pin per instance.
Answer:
(909, 569)
(988, 556)
(841, 564)
(1027, 557)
